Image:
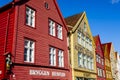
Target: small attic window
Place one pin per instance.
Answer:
(46, 5)
(85, 27)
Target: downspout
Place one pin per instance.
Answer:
(5, 44)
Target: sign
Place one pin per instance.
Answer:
(47, 73)
(60, 74)
(39, 72)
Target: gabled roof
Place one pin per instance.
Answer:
(59, 12)
(96, 39)
(74, 20)
(19, 2)
(107, 47)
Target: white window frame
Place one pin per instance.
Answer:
(80, 59)
(29, 54)
(87, 43)
(52, 52)
(79, 37)
(91, 64)
(90, 44)
(59, 31)
(98, 73)
(83, 40)
(60, 58)
(85, 27)
(30, 17)
(88, 62)
(52, 28)
(84, 61)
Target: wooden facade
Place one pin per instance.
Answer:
(108, 70)
(14, 32)
(79, 32)
(100, 61)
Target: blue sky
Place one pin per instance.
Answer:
(103, 16)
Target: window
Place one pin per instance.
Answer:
(80, 59)
(102, 61)
(60, 58)
(78, 78)
(46, 5)
(84, 61)
(97, 58)
(88, 62)
(85, 28)
(83, 40)
(101, 72)
(29, 51)
(91, 64)
(59, 31)
(90, 44)
(51, 27)
(98, 71)
(30, 17)
(52, 56)
(79, 37)
(87, 43)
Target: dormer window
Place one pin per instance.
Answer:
(85, 28)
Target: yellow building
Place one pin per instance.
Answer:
(106, 50)
(81, 48)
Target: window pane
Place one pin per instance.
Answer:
(51, 28)
(59, 32)
(31, 44)
(52, 56)
(30, 56)
(29, 51)
(25, 54)
(26, 43)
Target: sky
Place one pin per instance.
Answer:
(103, 17)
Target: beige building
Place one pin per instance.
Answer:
(81, 48)
(113, 61)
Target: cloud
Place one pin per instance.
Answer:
(115, 1)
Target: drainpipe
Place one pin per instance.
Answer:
(6, 37)
(5, 44)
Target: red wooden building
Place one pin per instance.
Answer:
(100, 61)
(33, 41)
